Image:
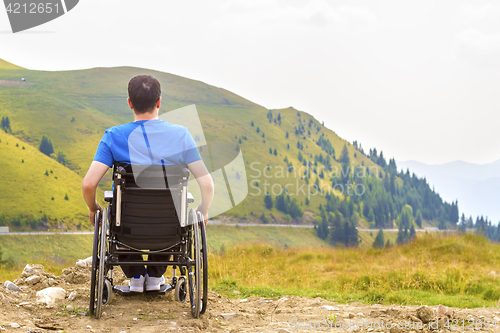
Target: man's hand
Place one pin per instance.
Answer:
(92, 215)
(205, 216)
(204, 179)
(89, 186)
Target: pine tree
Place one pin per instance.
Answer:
(462, 227)
(46, 146)
(412, 232)
(345, 163)
(268, 201)
(61, 157)
(401, 238)
(378, 243)
(371, 216)
(418, 219)
(322, 230)
(381, 160)
(454, 214)
(405, 220)
(5, 125)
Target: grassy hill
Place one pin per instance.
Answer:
(73, 108)
(7, 65)
(34, 187)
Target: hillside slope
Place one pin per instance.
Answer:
(34, 188)
(7, 65)
(74, 108)
(476, 187)
(77, 106)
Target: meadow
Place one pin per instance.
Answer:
(435, 268)
(460, 271)
(58, 251)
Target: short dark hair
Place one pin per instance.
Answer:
(144, 91)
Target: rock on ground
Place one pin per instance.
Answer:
(50, 295)
(11, 286)
(424, 313)
(33, 279)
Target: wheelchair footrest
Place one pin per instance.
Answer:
(125, 290)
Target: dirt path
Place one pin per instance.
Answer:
(4, 83)
(22, 312)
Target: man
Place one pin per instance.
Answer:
(145, 100)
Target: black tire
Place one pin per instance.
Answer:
(181, 289)
(194, 272)
(107, 295)
(204, 264)
(93, 276)
(101, 269)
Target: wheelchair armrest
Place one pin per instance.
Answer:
(190, 198)
(108, 196)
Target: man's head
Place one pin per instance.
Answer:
(144, 93)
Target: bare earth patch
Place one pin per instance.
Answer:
(21, 312)
(4, 83)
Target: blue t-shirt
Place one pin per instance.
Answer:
(147, 142)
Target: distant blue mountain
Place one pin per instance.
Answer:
(475, 186)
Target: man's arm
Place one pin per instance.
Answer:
(206, 183)
(89, 186)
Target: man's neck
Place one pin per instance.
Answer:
(146, 116)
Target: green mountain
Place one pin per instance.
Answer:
(36, 190)
(73, 108)
(7, 65)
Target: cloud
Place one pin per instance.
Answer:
(315, 13)
(478, 49)
(357, 15)
(479, 13)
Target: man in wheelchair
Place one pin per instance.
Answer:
(177, 146)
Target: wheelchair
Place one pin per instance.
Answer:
(150, 219)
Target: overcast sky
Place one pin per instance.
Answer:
(419, 80)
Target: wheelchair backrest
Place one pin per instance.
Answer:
(149, 208)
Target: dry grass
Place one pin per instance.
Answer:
(434, 269)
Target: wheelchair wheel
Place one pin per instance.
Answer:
(194, 272)
(101, 267)
(204, 264)
(93, 277)
(107, 293)
(181, 290)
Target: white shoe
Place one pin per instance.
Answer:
(137, 284)
(154, 283)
